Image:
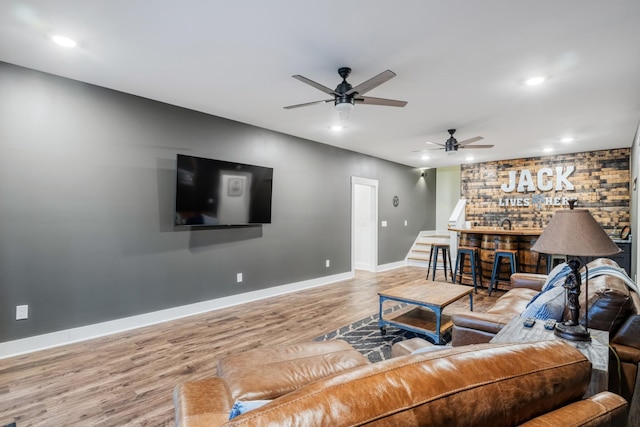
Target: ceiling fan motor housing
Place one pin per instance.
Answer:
(344, 87)
(451, 145)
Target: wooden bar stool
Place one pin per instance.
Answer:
(446, 255)
(510, 255)
(474, 260)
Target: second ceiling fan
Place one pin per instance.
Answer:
(346, 96)
(452, 144)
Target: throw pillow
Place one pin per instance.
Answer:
(240, 407)
(547, 305)
(556, 276)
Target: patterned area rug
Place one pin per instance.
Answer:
(364, 335)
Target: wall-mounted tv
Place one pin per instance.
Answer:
(218, 193)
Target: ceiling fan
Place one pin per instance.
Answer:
(452, 145)
(346, 96)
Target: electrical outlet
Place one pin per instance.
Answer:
(384, 223)
(239, 277)
(22, 312)
(405, 222)
(327, 263)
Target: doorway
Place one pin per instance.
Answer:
(364, 224)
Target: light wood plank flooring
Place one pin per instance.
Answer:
(127, 379)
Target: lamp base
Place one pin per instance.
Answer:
(572, 332)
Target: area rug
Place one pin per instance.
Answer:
(364, 335)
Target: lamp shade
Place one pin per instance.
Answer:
(575, 232)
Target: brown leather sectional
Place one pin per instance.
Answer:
(327, 384)
(614, 307)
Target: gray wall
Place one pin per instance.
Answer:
(86, 206)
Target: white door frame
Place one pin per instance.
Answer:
(373, 183)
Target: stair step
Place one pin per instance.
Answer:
(420, 250)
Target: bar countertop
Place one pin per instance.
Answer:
(499, 230)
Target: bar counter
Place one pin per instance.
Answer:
(489, 239)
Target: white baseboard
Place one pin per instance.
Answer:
(391, 266)
(83, 333)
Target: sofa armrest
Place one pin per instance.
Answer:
(602, 409)
(626, 354)
(528, 280)
(486, 322)
(629, 333)
(202, 403)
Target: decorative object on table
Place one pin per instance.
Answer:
(624, 234)
(574, 232)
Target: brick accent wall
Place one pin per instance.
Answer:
(600, 180)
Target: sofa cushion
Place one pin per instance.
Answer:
(266, 373)
(609, 303)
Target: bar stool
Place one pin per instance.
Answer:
(509, 255)
(446, 254)
(551, 261)
(474, 259)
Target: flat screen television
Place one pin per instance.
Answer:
(219, 193)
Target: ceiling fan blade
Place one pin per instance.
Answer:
(380, 101)
(307, 103)
(428, 149)
(373, 82)
(476, 146)
(469, 141)
(435, 143)
(318, 86)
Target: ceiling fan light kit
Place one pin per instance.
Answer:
(344, 108)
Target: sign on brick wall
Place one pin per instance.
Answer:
(528, 191)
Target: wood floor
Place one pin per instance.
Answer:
(127, 379)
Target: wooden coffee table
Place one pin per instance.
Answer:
(425, 301)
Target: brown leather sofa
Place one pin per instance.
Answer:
(532, 384)
(613, 307)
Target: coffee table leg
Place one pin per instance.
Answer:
(471, 302)
(381, 323)
(438, 313)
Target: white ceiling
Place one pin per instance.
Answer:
(459, 64)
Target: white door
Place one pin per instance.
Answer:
(364, 230)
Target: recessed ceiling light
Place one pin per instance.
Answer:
(425, 157)
(469, 158)
(336, 128)
(63, 41)
(567, 139)
(534, 81)
(548, 149)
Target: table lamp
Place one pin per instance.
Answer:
(574, 232)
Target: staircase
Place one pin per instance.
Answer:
(419, 253)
